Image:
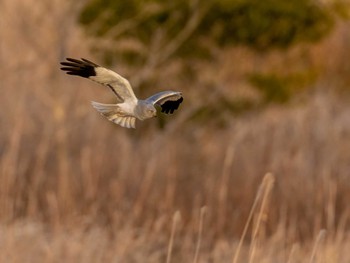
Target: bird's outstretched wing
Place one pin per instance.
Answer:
(87, 69)
(169, 101)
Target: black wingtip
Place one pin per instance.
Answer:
(83, 68)
(170, 106)
(89, 62)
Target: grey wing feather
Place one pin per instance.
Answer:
(87, 69)
(169, 101)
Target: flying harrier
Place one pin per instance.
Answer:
(130, 108)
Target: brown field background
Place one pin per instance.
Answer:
(76, 188)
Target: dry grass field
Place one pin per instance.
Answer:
(271, 185)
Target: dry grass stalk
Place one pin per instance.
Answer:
(320, 237)
(200, 230)
(263, 192)
(224, 185)
(268, 182)
(292, 252)
(176, 219)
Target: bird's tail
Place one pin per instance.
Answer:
(113, 113)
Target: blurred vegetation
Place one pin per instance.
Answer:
(277, 88)
(154, 33)
(258, 24)
(268, 24)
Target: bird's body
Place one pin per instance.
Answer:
(130, 108)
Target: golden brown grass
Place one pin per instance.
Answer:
(75, 188)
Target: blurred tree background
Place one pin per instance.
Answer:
(152, 35)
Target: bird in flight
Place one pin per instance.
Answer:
(129, 107)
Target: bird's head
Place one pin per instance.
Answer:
(150, 111)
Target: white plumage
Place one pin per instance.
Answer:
(130, 108)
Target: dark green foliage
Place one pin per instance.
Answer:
(275, 88)
(341, 8)
(269, 23)
(140, 18)
(258, 24)
(272, 87)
